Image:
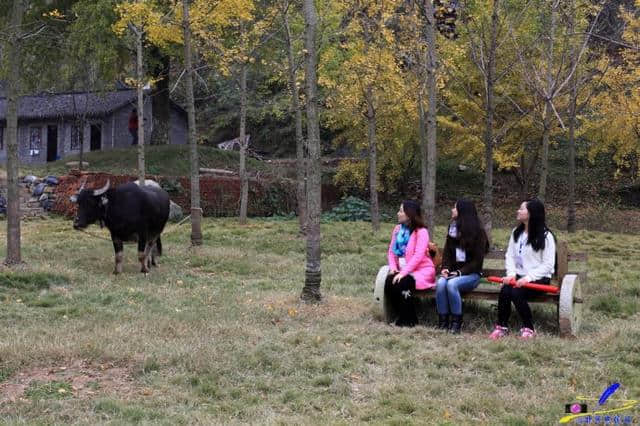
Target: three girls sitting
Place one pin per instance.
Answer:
(530, 257)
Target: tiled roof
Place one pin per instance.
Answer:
(70, 104)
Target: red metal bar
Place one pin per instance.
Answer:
(532, 286)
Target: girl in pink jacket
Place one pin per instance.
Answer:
(410, 266)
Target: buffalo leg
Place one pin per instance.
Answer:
(148, 251)
(159, 246)
(117, 247)
(154, 251)
(157, 251)
(142, 253)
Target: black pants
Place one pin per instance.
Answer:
(400, 296)
(519, 297)
(134, 135)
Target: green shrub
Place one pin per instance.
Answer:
(350, 209)
(277, 199)
(172, 186)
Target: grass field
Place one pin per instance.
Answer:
(218, 336)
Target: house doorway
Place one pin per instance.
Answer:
(96, 137)
(52, 143)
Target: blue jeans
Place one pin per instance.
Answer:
(448, 291)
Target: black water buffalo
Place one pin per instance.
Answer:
(131, 213)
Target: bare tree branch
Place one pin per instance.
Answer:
(178, 81)
(33, 33)
(610, 40)
(582, 50)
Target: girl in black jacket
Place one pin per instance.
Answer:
(462, 260)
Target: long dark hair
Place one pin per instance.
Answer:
(469, 226)
(537, 225)
(412, 210)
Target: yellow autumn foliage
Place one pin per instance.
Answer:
(614, 123)
(159, 29)
(229, 31)
(366, 57)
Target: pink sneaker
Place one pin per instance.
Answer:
(527, 333)
(498, 332)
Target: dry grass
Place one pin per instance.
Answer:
(218, 335)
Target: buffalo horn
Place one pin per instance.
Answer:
(98, 192)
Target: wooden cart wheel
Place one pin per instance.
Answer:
(378, 294)
(570, 306)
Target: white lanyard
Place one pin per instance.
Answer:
(521, 243)
(519, 260)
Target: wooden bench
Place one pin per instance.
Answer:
(568, 300)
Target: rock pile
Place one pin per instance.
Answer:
(42, 191)
(37, 196)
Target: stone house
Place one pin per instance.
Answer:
(49, 124)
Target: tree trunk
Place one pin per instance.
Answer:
(528, 167)
(244, 184)
(196, 211)
(301, 178)
(544, 159)
(81, 124)
(432, 63)
(313, 272)
(489, 121)
(78, 122)
(139, 90)
(422, 132)
(524, 182)
(571, 207)
(160, 102)
(13, 161)
(373, 167)
(518, 175)
(547, 117)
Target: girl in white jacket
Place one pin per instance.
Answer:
(530, 258)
